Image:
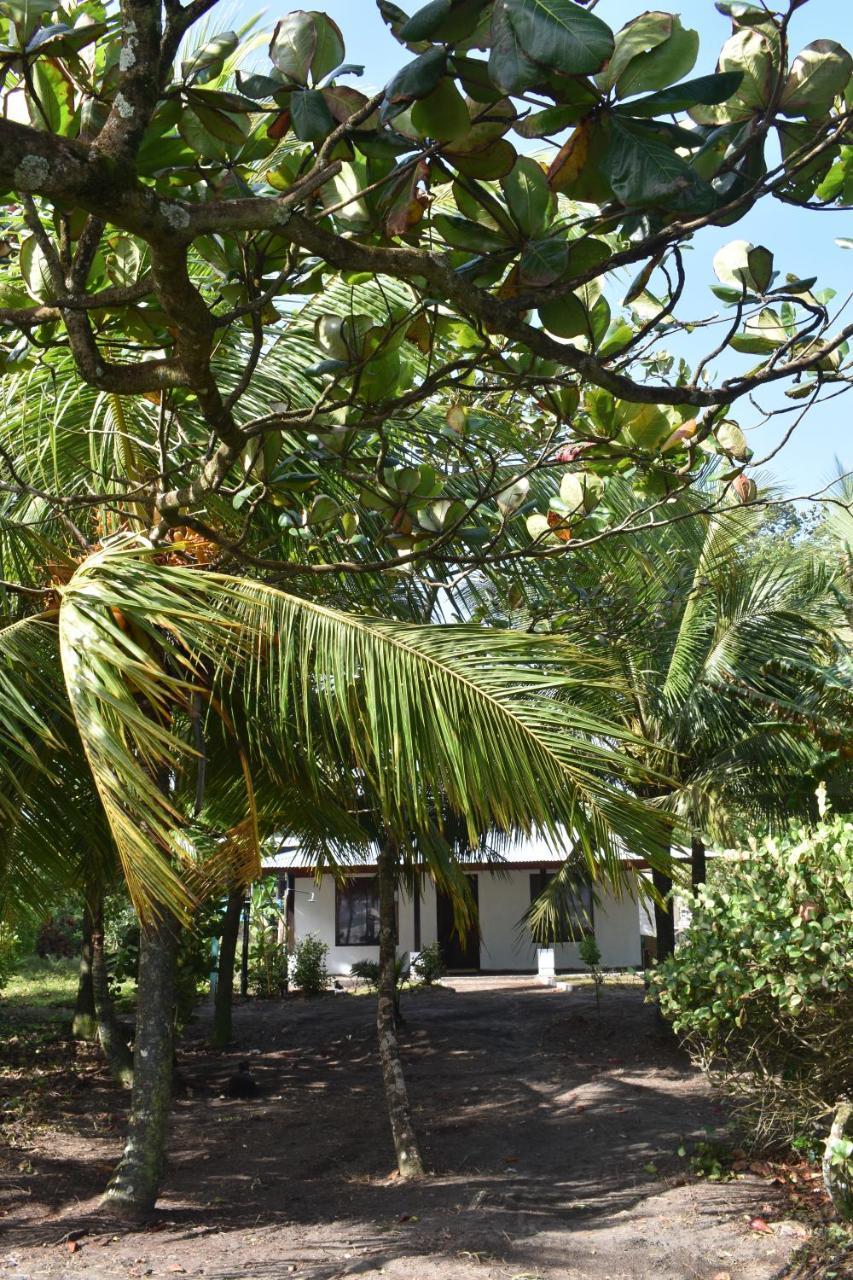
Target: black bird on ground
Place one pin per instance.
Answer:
(242, 1084)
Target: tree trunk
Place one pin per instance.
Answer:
(698, 862)
(223, 1000)
(409, 1160)
(664, 918)
(836, 1176)
(113, 1042)
(84, 1025)
(135, 1184)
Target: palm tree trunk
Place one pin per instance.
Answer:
(836, 1176)
(135, 1184)
(223, 1000)
(698, 862)
(409, 1160)
(113, 1043)
(664, 919)
(84, 1026)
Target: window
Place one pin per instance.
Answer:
(357, 913)
(576, 915)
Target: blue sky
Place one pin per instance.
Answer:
(803, 242)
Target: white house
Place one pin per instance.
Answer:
(346, 916)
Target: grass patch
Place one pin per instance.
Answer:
(618, 978)
(47, 985)
(46, 990)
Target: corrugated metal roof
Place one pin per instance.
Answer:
(535, 851)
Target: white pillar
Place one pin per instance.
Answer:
(546, 966)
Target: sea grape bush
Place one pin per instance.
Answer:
(761, 987)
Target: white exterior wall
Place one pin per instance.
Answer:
(503, 901)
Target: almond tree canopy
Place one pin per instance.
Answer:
(327, 332)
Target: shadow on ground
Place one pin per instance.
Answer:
(552, 1132)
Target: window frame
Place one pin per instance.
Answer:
(367, 886)
(539, 881)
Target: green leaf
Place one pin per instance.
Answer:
(423, 24)
(581, 491)
(643, 171)
(749, 52)
(543, 261)
(460, 233)
(818, 75)
(732, 441)
(640, 35)
(528, 196)
(760, 265)
(509, 66)
(740, 264)
(330, 50)
(542, 124)
(206, 63)
(489, 164)
(442, 115)
(704, 89)
(293, 45)
(566, 317)
(310, 115)
(661, 66)
(415, 80)
(560, 34)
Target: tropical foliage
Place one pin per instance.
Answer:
(760, 989)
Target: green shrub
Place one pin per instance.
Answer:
(309, 965)
(429, 966)
(268, 960)
(367, 972)
(8, 953)
(761, 987)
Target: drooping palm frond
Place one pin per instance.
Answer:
(405, 711)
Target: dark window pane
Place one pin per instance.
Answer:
(357, 914)
(576, 914)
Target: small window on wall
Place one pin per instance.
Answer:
(576, 920)
(357, 913)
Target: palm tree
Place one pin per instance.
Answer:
(725, 660)
(138, 655)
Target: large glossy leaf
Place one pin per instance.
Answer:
(560, 34)
(447, 21)
(528, 196)
(749, 52)
(543, 261)
(442, 115)
(646, 171)
(415, 80)
(312, 119)
(704, 89)
(818, 75)
(293, 45)
(741, 264)
(661, 66)
(509, 66)
(640, 35)
(460, 233)
(566, 317)
(543, 124)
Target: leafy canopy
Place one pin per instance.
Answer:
(365, 320)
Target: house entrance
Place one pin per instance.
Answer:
(459, 953)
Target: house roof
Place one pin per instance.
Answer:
(531, 852)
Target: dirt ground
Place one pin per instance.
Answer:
(553, 1135)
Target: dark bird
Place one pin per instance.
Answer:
(242, 1084)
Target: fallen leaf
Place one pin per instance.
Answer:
(72, 1246)
(760, 1224)
(722, 1275)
